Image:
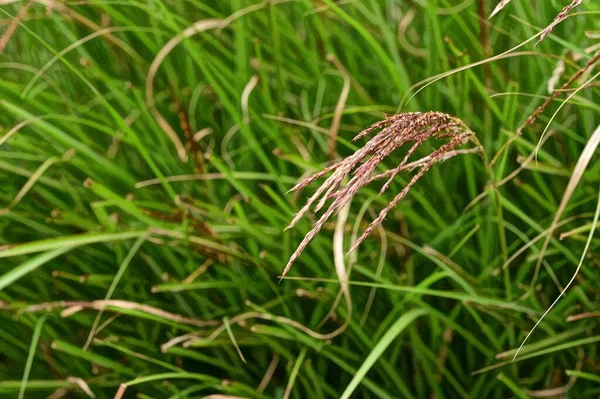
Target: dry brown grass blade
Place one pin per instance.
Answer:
(557, 73)
(80, 382)
(395, 131)
(352, 259)
(581, 316)
(246, 96)
(268, 374)
(72, 307)
(189, 339)
(340, 264)
(403, 24)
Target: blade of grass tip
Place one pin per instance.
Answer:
(80, 382)
(585, 250)
(499, 7)
(246, 96)
(122, 269)
(583, 375)
(99, 360)
(233, 341)
(510, 384)
(584, 159)
(35, 176)
(139, 355)
(380, 348)
(37, 332)
(30, 265)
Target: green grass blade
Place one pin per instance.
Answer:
(30, 265)
(37, 332)
(10, 250)
(380, 348)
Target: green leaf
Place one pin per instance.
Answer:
(30, 265)
(380, 347)
(34, 341)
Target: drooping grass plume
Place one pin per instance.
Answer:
(396, 131)
(272, 89)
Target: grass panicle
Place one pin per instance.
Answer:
(411, 129)
(126, 271)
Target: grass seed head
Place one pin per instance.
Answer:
(560, 17)
(395, 131)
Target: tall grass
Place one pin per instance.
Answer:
(146, 152)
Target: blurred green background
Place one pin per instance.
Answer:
(124, 244)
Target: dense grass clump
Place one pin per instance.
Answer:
(147, 149)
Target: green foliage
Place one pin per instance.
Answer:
(101, 212)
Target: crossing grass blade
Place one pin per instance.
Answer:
(400, 325)
(37, 332)
(180, 220)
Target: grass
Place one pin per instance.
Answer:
(137, 261)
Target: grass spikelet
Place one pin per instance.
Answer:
(396, 131)
(499, 7)
(559, 18)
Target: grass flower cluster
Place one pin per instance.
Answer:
(165, 163)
